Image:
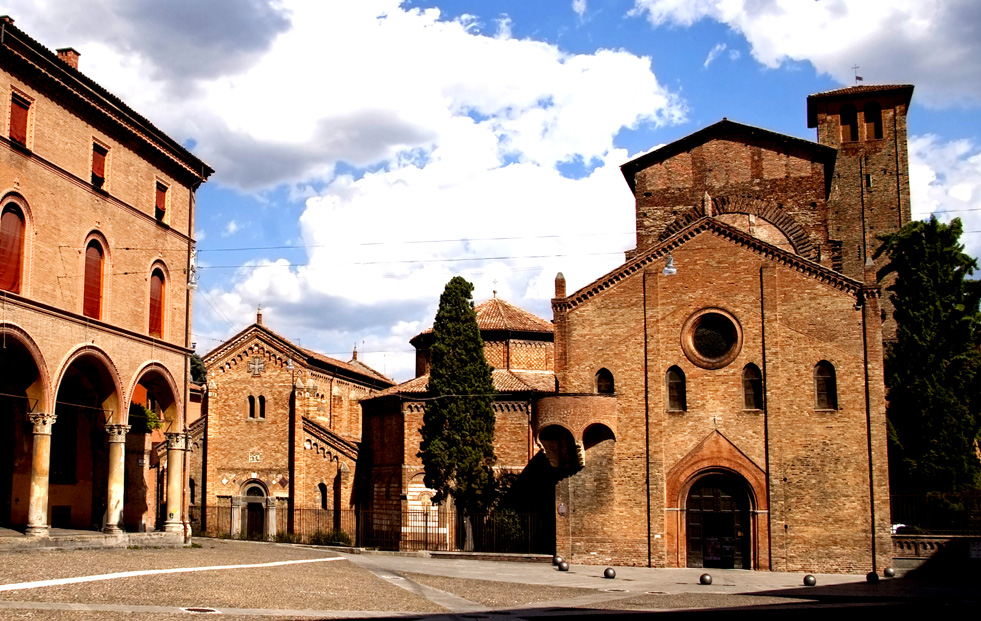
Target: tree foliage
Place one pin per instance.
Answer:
(199, 374)
(933, 368)
(457, 447)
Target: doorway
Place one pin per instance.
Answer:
(718, 523)
(255, 513)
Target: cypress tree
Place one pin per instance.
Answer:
(457, 447)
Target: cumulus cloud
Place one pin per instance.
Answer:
(231, 228)
(579, 7)
(931, 44)
(945, 180)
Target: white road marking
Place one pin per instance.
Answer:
(151, 572)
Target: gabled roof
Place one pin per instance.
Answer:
(722, 129)
(505, 381)
(352, 370)
(904, 91)
(712, 226)
(329, 441)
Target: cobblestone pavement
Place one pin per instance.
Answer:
(273, 581)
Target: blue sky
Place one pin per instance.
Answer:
(368, 151)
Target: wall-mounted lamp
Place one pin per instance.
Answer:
(669, 268)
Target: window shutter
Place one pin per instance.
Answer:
(161, 199)
(98, 165)
(92, 296)
(156, 304)
(11, 249)
(18, 119)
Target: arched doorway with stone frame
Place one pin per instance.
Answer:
(718, 532)
(86, 477)
(25, 427)
(254, 503)
(155, 419)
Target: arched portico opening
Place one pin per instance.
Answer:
(560, 447)
(23, 391)
(154, 412)
(718, 522)
(87, 412)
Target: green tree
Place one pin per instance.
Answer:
(457, 447)
(933, 368)
(198, 373)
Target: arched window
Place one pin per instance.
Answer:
(825, 386)
(251, 406)
(323, 495)
(11, 247)
(677, 399)
(92, 296)
(604, 382)
(262, 407)
(873, 121)
(156, 303)
(752, 388)
(849, 124)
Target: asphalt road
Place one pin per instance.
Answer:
(278, 581)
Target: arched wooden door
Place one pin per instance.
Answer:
(718, 523)
(255, 513)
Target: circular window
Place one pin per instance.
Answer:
(711, 338)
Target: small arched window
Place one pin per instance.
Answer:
(156, 303)
(849, 123)
(251, 406)
(752, 388)
(604, 382)
(825, 386)
(11, 247)
(677, 399)
(92, 295)
(323, 495)
(262, 407)
(873, 121)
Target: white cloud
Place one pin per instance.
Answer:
(579, 6)
(932, 44)
(945, 178)
(231, 228)
(713, 54)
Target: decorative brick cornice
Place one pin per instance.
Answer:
(330, 440)
(712, 226)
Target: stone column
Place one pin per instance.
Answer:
(270, 518)
(235, 529)
(37, 509)
(117, 477)
(176, 445)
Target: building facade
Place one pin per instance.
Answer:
(720, 395)
(95, 254)
(279, 437)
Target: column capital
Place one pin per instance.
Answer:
(42, 422)
(117, 433)
(176, 441)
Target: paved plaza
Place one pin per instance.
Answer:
(279, 581)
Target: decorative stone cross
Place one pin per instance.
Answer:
(257, 366)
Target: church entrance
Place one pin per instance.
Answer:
(255, 513)
(717, 523)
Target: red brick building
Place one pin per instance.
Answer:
(279, 436)
(720, 395)
(95, 259)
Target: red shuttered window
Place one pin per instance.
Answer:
(19, 109)
(11, 248)
(160, 202)
(99, 154)
(92, 294)
(156, 303)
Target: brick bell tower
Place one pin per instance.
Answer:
(870, 185)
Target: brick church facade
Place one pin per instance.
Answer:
(720, 395)
(279, 437)
(95, 260)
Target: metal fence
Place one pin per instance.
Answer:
(434, 529)
(937, 513)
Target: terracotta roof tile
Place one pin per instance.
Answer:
(861, 89)
(496, 314)
(504, 381)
